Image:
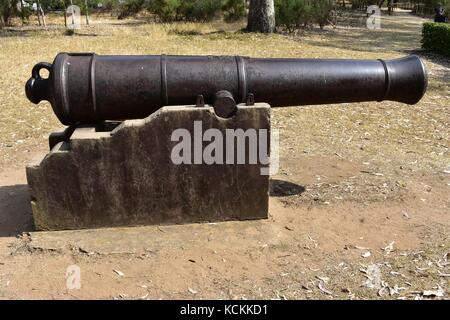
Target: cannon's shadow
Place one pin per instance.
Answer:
(15, 210)
(280, 188)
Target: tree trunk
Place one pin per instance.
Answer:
(22, 14)
(6, 13)
(261, 16)
(87, 12)
(72, 14)
(43, 16)
(65, 13)
(38, 12)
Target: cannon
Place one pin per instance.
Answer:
(181, 139)
(90, 88)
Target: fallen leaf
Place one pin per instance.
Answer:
(395, 290)
(373, 274)
(120, 273)
(323, 289)
(381, 291)
(389, 248)
(305, 287)
(192, 291)
(159, 228)
(144, 296)
(373, 173)
(324, 279)
(439, 292)
(443, 274)
(422, 269)
(280, 296)
(346, 290)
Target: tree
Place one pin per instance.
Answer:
(389, 5)
(40, 14)
(7, 11)
(87, 11)
(261, 16)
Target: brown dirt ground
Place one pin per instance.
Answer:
(353, 179)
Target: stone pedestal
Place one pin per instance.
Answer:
(123, 174)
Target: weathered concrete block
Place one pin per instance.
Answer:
(100, 177)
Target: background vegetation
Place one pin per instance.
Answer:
(436, 37)
(294, 14)
(290, 14)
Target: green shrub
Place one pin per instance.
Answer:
(166, 10)
(69, 32)
(130, 7)
(436, 37)
(200, 10)
(188, 10)
(294, 14)
(291, 14)
(185, 10)
(321, 12)
(233, 10)
(108, 5)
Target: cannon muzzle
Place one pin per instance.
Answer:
(88, 88)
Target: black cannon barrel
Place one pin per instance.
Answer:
(89, 88)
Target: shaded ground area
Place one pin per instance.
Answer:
(15, 208)
(359, 209)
